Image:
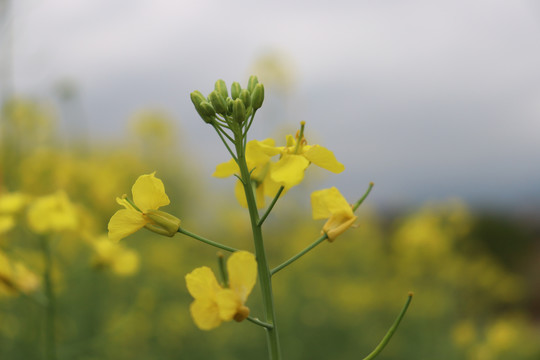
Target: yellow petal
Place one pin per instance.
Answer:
(326, 202)
(289, 170)
(242, 269)
(240, 195)
(336, 225)
(226, 169)
(125, 222)
(149, 193)
(228, 303)
(324, 158)
(123, 201)
(259, 153)
(202, 284)
(205, 314)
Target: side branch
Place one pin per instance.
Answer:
(390, 332)
(299, 255)
(206, 241)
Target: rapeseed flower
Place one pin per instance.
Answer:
(213, 303)
(114, 256)
(15, 277)
(296, 156)
(330, 204)
(52, 213)
(148, 196)
(258, 156)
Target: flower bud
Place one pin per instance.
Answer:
(164, 223)
(252, 82)
(239, 111)
(229, 106)
(246, 98)
(218, 102)
(257, 96)
(197, 99)
(235, 90)
(207, 109)
(221, 88)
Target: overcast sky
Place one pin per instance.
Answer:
(429, 99)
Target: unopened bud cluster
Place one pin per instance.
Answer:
(232, 110)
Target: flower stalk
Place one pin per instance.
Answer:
(265, 277)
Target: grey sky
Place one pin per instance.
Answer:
(429, 99)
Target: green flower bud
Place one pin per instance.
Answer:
(257, 96)
(164, 223)
(197, 99)
(218, 102)
(207, 109)
(245, 97)
(235, 90)
(252, 82)
(239, 111)
(221, 88)
(229, 106)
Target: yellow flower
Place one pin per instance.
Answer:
(330, 204)
(258, 155)
(148, 196)
(113, 255)
(15, 277)
(213, 303)
(296, 157)
(52, 213)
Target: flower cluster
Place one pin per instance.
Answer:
(288, 171)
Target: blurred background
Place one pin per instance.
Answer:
(438, 103)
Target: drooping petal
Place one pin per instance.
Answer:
(202, 284)
(327, 202)
(149, 193)
(125, 222)
(289, 170)
(324, 158)
(205, 314)
(228, 303)
(336, 225)
(226, 169)
(242, 269)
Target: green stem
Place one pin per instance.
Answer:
(390, 332)
(299, 255)
(260, 323)
(206, 241)
(50, 310)
(260, 253)
(359, 202)
(261, 221)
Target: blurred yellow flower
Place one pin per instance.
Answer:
(258, 155)
(148, 196)
(15, 277)
(51, 213)
(213, 303)
(330, 204)
(296, 157)
(11, 203)
(112, 255)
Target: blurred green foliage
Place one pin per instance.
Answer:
(471, 274)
